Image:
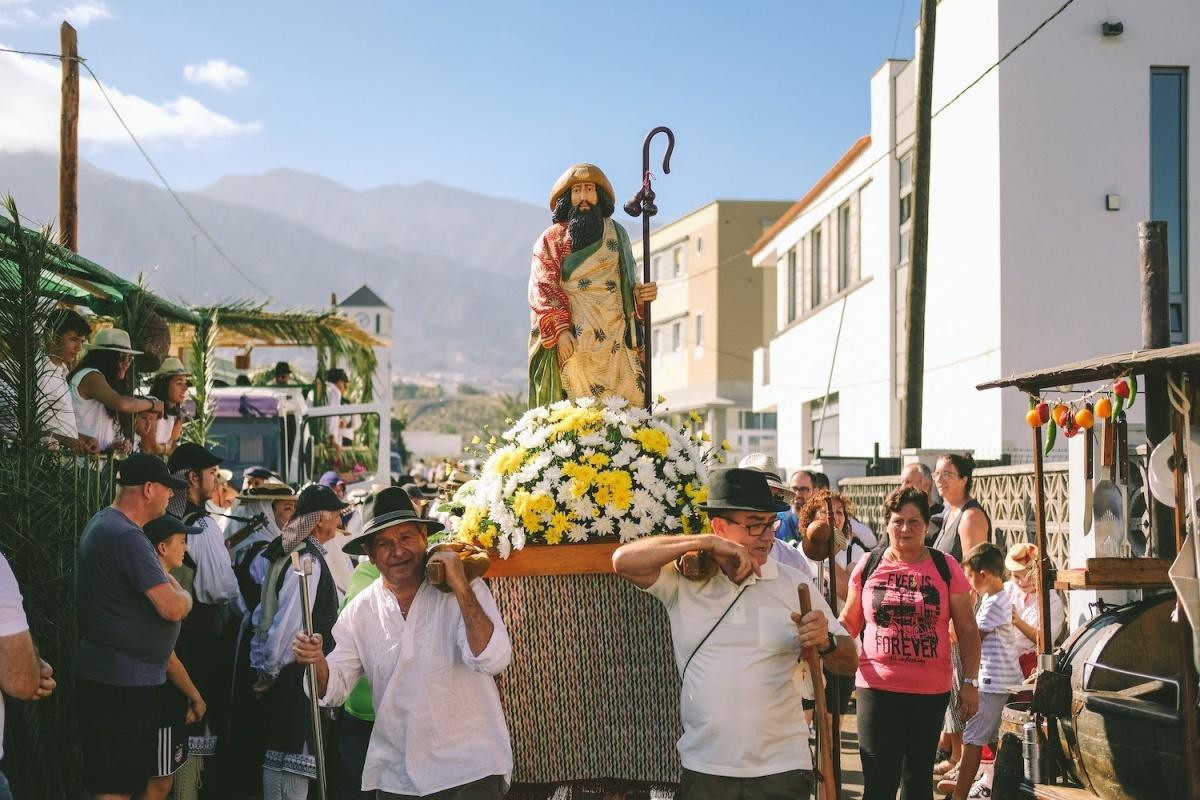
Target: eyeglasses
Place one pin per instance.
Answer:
(756, 531)
(802, 489)
(947, 475)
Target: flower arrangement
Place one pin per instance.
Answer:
(588, 469)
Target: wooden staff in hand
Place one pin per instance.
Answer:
(824, 769)
(303, 569)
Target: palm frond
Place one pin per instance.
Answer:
(203, 358)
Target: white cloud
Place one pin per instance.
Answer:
(18, 13)
(29, 110)
(218, 74)
(83, 14)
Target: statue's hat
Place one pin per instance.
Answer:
(580, 173)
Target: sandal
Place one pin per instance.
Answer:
(948, 782)
(943, 766)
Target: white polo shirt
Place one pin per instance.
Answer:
(742, 715)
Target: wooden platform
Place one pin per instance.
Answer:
(1115, 573)
(586, 558)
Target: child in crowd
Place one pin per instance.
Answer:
(181, 704)
(998, 668)
(1022, 590)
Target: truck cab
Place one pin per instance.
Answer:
(276, 427)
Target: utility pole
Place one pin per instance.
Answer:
(914, 306)
(68, 142)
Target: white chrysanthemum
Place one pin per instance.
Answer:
(553, 473)
(592, 440)
(643, 502)
(585, 402)
(504, 546)
(583, 508)
(563, 448)
(672, 496)
(671, 524)
(577, 533)
(627, 531)
(603, 526)
(669, 472)
(615, 402)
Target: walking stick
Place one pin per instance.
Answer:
(824, 769)
(835, 713)
(642, 205)
(303, 569)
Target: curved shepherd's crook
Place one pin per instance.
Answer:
(642, 205)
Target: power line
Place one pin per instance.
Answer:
(896, 36)
(162, 178)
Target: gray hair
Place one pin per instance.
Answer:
(924, 469)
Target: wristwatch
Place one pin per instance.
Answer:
(970, 682)
(829, 647)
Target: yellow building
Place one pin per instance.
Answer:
(713, 310)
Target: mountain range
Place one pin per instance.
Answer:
(453, 264)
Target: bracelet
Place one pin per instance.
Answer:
(830, 647)
(970, 682)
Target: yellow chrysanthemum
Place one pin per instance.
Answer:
(599, 460)
(725, 445)
(559, 525)
(582, 476)
(469, 527)
(614, 487)
(652, 440)
(696, 418)
(486, 536)
(509, 460)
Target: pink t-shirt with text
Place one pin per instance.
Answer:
(906, 642)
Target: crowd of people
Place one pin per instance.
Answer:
(191, 672)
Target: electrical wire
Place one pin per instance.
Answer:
(154, 167)
(896, 36)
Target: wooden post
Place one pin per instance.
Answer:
(914, 313)
(1045, 640)
(1156, 332)
(68, 142)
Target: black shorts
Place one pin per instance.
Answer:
(171, 745)
(118, 727)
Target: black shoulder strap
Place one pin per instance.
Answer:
(873, 562)
(939, 561)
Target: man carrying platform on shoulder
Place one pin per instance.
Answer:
(737, 636)
(431, 657)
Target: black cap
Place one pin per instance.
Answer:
(141, 468)
(739, 489)
(190, 455)
(318, 498)
(283, 368)
(259, 472)
(166, 526)
(336, 374)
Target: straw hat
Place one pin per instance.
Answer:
(1021, 556)
(171, 366)
(580, 173)
(270, 491)
(113, 339)
(761, 462)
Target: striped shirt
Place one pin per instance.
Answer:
(998, 666)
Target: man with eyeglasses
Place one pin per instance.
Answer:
(802, 486)
(736, 638)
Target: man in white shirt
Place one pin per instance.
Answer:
(22, 674)
(431, 657)
(737, 636)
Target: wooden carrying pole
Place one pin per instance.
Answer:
(825, 770)
(68, 142)
(303, 569)
(835, 715)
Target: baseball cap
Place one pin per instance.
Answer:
(166, 526)
(141, 468)
(190, 455)
(318, 498)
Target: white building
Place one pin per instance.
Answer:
(1039, 175)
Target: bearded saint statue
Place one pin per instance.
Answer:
(587, 337)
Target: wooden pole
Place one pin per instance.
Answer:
(68, 142)
(824, 768)
(1156, 332)
(914, 313)
(1045, 640)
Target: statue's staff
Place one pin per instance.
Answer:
(643, 205)
(303, 569)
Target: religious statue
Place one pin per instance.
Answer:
(587, 337)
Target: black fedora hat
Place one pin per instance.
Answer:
(383, 509)
(738, 489)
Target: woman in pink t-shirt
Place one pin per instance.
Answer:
(903, 608)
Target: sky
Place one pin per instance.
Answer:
(496, 97)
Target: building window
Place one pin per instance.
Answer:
(377, 322)
(816, 237)
(906, 189)
(823, 425)
(844, 238)
(656, 343)
(791, 285)
(1168, 184)
(676, 262)
(676, 337)
(755, 421)
(699, 333)
(699, 244)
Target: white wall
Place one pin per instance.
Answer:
(1075, 125)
